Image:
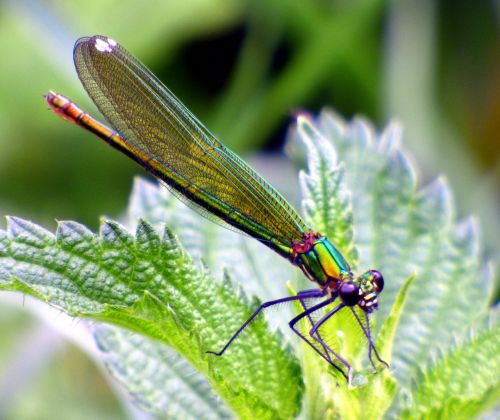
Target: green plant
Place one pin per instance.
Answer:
(433, 326)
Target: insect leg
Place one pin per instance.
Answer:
(371, 346)
(313, 293)
(327, 348)
(314, 333)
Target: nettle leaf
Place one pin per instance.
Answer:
(327, 201)
(148, 284)
(158, 379)
(359, 188)
(437, 287)
(462, 383)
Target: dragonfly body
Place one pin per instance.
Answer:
(320, 261)
(152, 127)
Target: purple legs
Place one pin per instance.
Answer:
(305, 294)
(324, 351)
(368, 335)
(308, 312)
(314, 340)
(317, 337)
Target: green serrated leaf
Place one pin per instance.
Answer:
(158, 379)
(462, 381)
(385, 339)
(151, 286)
(399, 231)
(326, 202)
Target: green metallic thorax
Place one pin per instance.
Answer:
(322, 263)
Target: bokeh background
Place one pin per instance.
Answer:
(244, 67)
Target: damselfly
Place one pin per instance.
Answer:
(152, 127)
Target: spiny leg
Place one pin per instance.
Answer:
(313, 293)
(327, 348)
(371, 341)
(371, 346)
(315, 334)
(321, 342)
(307, 312)
(325, 318)
(367, 333)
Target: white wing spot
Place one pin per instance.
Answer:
(104, 46)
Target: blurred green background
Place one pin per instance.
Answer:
(243, 67)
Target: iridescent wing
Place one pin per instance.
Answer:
(178, 149)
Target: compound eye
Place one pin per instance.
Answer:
(377, 280)
(349, 293)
